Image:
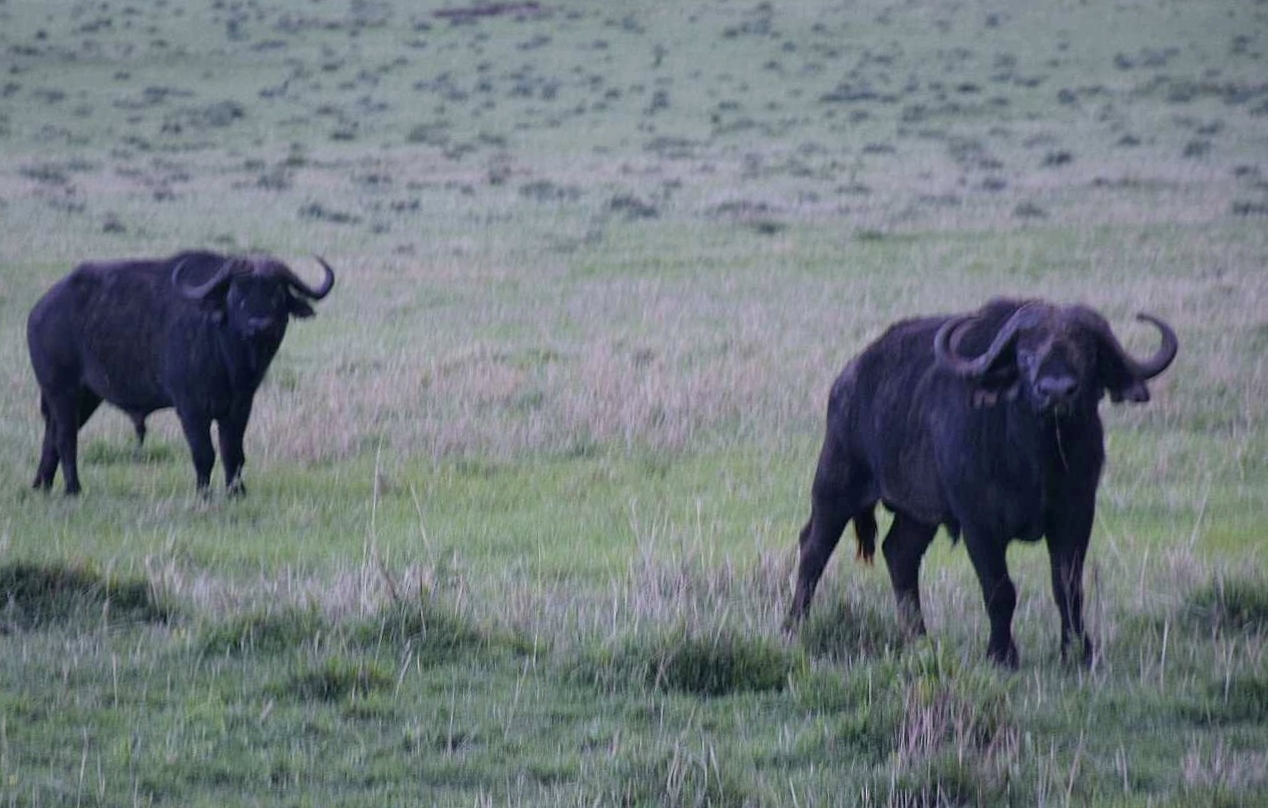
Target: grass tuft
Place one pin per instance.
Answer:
(436, 633)
(36, 595)
(263, 632)
(947, 781)
(1230, 604)
(334, 680)
(846, 631)
(1239, 699)
(683, 777)
(949, 706)
(677, 661)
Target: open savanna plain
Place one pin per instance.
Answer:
(524, 496)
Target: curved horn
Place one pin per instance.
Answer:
(303, 288)
(203, 289)
(1142, 369)
(946, 341)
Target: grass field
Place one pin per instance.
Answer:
(524, 495)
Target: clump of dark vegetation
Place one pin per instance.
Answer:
(631, 207)
(1057, 158)
(321, 213)
(1241, 699)
(39, 595)
(1029, 210)
(212, 116)
(715, 665)
(46, 173)
(767, 227)
(434, 632)
(1197, 148)
(1249, 208)
(334, 680)
(847, 631)
(264, 632)
(1230, 604)
(547, 191)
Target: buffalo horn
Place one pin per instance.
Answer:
(201, 290)
(1142, 369)
(947, 339)
(304, 289)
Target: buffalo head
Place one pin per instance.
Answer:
(255, 294)
(1062, 359)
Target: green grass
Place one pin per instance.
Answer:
(524, 495)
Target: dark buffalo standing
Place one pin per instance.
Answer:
(986, 423)
(196, 331)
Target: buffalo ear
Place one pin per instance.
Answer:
(1121, 385)
(300, 309)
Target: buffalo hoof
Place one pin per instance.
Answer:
(1006, 656)
(792, 625)
(237, 488)
(1081, 654)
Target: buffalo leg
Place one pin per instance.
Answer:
(833, 505)
(138, 424)
(990, 564)
(817, 541)
(67, 415)
(904, 547)
(88, 403)
(48, 452)
(1066, 553)
(197, 429)
(231, 430)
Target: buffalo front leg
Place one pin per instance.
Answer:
(988, 556)
(197, 429)
(231, 430)
(1066, 557)
(904, 547)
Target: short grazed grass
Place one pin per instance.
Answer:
(524, 495)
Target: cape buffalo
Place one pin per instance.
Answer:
(987, 424)
(195, 331)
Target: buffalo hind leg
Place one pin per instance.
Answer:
(70, 415)
(48, 452)
(138, 425)
(904, 547)
(817, 541)
(837, 495)
(990, 563)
